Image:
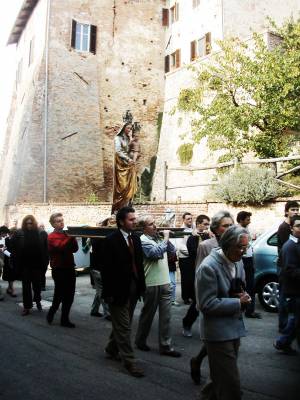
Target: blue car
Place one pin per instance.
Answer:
(265, 257)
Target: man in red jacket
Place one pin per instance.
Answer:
(61, 248)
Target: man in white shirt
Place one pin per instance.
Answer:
(187, 269)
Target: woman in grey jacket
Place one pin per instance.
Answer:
(221, 298)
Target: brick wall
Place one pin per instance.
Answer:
(80, 214)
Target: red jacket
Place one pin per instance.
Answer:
(61, 248)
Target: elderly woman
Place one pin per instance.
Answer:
(220, 222)
(125, 176)
(221, 298)
(29, 250)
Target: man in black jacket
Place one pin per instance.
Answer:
(201, 233)
(291, 208)
(290, 285)
(123, 284)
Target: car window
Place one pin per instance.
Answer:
(273, 240)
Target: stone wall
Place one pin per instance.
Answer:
(87, 97)
(241, 18)
(21, 171)
(84, 214)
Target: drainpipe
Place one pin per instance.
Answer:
(46, 101)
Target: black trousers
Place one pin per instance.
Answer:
(187, 272)
(43, 278)
(31, 282)
(64, 290)
(191, 316)
(249, 274)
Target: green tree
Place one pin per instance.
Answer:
(247, 97)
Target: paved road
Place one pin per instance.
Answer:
(53, 363)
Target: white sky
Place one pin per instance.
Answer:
(7, 64)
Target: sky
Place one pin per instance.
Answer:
(7, 65)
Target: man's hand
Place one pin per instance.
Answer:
(166, 234)
(244, 298)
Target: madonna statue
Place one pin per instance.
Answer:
(125, 173)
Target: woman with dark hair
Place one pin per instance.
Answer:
(29, 251)
(9, 274)
(125, 176)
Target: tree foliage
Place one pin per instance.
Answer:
(247, 97)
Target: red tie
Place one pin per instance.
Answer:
(131, 249)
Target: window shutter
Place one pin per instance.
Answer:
(177, 58)
(207, 43)
(167, 64)
(165, 17)
(73, 37)
(93, 38)
(176, 11)
(193, 50)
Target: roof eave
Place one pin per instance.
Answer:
(21, 21)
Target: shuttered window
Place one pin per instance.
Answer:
(193, 50)
(201, 47)
(165, 17)
(174, 13)
(174, 60)
(177, 58)
(83, 37)
(93, 37)
(167, 64)
(208, 43)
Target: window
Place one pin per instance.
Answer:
(165, 17)
(31, 48)
(83, 37)
(175, 60)
(196, 3)
(172, 61)
(174, 13)
(273, 240)
(167, 64)
(201, 47)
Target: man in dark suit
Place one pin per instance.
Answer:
(123, 284)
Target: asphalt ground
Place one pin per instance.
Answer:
(42, 362)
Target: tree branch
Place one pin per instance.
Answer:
(233, 98)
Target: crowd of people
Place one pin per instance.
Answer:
(215, 259)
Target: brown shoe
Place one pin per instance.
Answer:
(134, 370)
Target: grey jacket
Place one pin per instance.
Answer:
(220, 317)
(204, 250)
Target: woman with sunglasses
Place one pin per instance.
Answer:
(29, 251)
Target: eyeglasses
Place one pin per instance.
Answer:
(243, 247)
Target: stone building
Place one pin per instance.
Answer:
(192, 29)
(83, 63)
